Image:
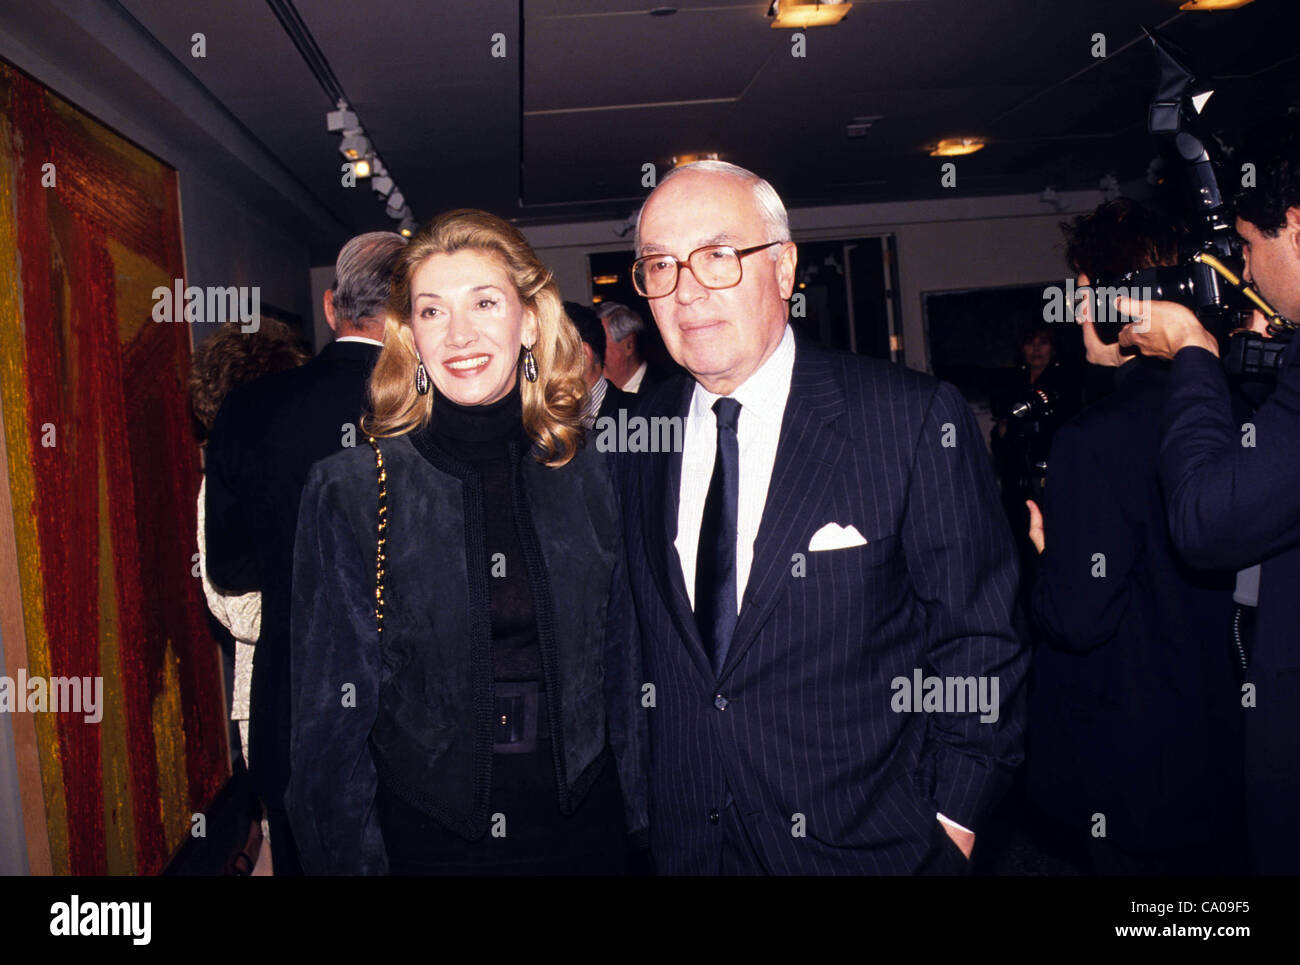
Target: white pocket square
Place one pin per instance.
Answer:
(833, 536)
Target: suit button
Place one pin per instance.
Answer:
(713, 816)
(719, 701)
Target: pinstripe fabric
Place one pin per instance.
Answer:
(805, 737)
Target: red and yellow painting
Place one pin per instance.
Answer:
(101, 477)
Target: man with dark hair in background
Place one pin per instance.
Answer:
(605, 398)
(1233, 486)
(1135, 726)
(267, 436)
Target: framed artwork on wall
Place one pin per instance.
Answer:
(101, 610)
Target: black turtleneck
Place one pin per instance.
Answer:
(490, 440)
(475, 432)
(483, 436)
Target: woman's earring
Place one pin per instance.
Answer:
(421, 377)
(530, 364)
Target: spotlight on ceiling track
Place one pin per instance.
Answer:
(354, 146)
(342, 121)
(797, 14)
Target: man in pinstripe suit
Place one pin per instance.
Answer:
(828, 537)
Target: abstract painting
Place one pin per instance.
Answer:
(102, 474)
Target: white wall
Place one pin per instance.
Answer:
(946, 244)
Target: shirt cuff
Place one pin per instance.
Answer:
(952, 824)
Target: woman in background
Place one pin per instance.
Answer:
(465, 667)
(229, 358)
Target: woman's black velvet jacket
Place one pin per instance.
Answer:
(418, 703)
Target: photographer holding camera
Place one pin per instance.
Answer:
(1133, 705)
(1042, 396)
(1232, 487)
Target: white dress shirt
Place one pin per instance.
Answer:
(762, 399)
(633, 384)
(359, 338)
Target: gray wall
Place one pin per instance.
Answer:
(13, 844)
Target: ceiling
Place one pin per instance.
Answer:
(559, 129)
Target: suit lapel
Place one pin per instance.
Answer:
(807, 453)
(659, 505)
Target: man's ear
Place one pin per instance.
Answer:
(328, 302)
(1292, 228)
(785, 266)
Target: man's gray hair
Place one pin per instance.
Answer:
(362, 275)
(771, 210)
(622, 320)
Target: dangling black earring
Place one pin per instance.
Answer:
(421, 377)
(530, 364)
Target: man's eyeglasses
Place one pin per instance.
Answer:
(714, 266)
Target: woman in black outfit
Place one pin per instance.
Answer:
(466, 693)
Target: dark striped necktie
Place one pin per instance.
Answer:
(715, 558)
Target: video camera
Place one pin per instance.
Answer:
(1203, 281)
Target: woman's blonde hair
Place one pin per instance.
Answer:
(552, 406)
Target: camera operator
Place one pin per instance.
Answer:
(1133, 706)
(1233, 489)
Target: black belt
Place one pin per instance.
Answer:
(520, 719)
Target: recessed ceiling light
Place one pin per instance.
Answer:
(1214, 4)
(807, 13)
(680, 159)
(957, 146)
